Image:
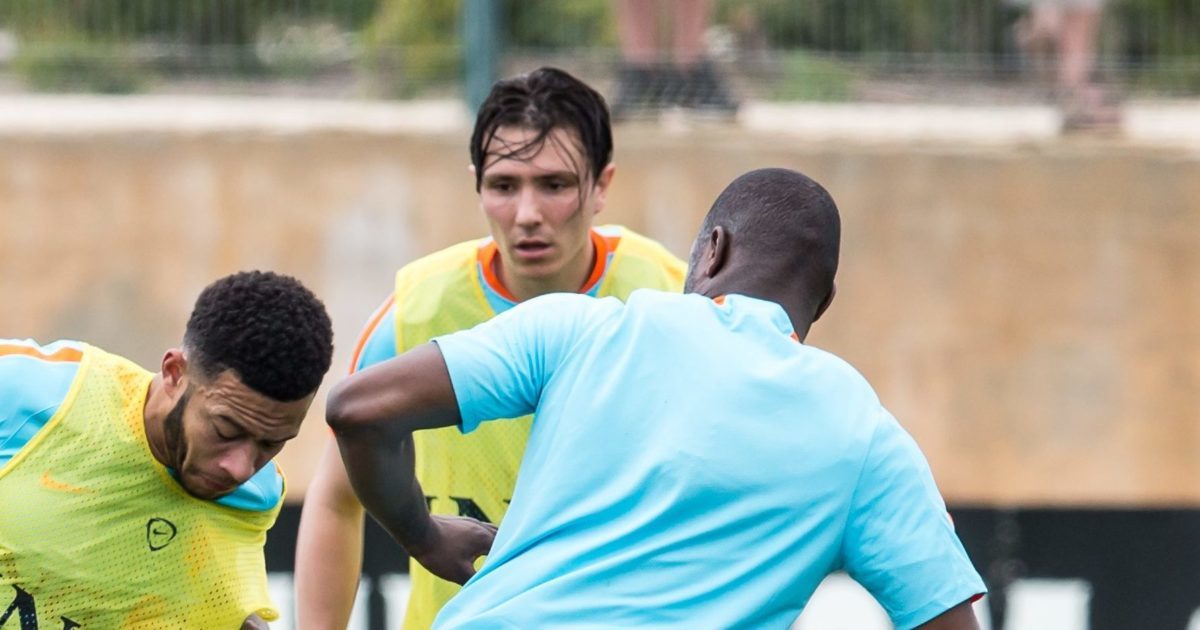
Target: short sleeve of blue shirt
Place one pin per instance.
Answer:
(498, 368)
(31, 389)
(900, 542)
(379, 342)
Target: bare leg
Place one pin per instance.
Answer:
(1084, 105)
(639, 80)
(689, 19)
(698, 86)
(637, 27)
(1077, 47)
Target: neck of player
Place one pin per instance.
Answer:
(569, 279)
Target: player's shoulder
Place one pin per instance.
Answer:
(568, 303)
(631, 243)
(25, 359)
(639, 261)
(660, 300)
(424, 285)
(564, 315)
(56, 351)
(841, 376)
(35, 379)
(435, 267)
(452, 258)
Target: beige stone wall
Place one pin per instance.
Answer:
(1031, 314)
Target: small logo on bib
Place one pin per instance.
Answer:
(159, 533)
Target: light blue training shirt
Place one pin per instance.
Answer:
(691, 464)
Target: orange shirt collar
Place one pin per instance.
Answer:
(601, 245)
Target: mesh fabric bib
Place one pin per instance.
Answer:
(96, 534)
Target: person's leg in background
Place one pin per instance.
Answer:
(1084, 103)
(639, 77)
(699, 84)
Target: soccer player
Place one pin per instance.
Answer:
(691, 461)
(541, 156)
(138, 500)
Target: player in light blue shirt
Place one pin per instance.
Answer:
(691, 462)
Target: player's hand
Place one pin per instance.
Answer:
(453, 545)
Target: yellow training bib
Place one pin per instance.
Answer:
(95, 534)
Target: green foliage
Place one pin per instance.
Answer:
(183, 21)
(560, 23)
(1148, 29)
(411, 44)
(863, 26)
(804, 77)
(77, 66)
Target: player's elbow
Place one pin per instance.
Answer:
(345, 410)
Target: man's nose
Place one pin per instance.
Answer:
(529, 208)
(239, 463)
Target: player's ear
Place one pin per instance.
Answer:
(716, 251)
(601, 187)
(174, 372)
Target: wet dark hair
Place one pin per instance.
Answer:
(270, 330)
(543, 100)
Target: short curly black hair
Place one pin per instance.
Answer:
(266, 327)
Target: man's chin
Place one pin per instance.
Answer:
(202, 488)
(538, 270)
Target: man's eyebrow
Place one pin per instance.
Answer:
(231, 422)
(240, 429)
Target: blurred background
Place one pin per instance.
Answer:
(987, 51)
(1019, 183)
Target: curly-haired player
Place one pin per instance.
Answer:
(131, 498)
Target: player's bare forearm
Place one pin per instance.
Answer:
(961, 617)
(379, 462)
(373, 414)
(328, 547)
(446, 546)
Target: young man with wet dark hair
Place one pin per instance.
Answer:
(133, 498)
(541, 161)
(692, 463)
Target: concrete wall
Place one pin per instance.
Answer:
(1030, 312)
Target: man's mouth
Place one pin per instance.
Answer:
(216, 488)
(532, 248)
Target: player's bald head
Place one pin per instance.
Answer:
(782, 228)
